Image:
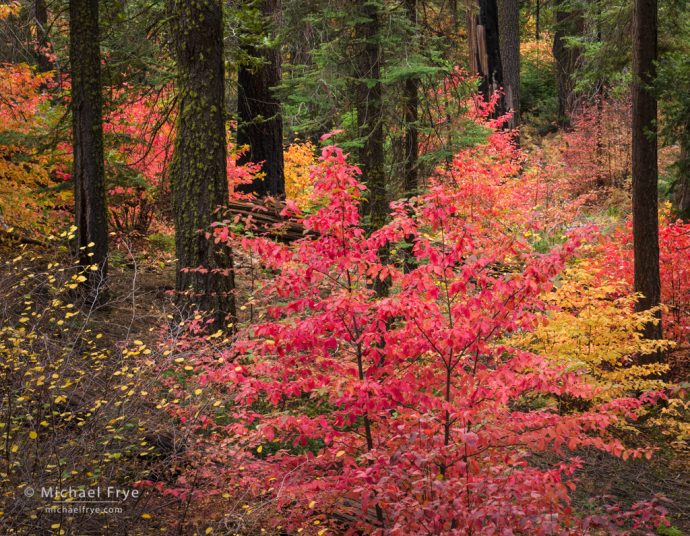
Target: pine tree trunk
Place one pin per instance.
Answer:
(569, 23)
(683, 186)
(369, 94)
(485, 54)
(411, 98)
(644, 161)
(260, 120)
(509, 37)
(199, 169)
(87, 142)
(41, 22)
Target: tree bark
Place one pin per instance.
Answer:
(411, 98)
(644, 161)
(569, 23)
(509, 39)
(41, 22)
(87, 143)
(485, 54)
(369, 96)
(260, 120)
(683, 187)
(199, 170)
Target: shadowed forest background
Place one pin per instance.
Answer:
(332, 267)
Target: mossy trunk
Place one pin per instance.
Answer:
(369, 98)
(260, 123)
(87, 142)
(205, 276)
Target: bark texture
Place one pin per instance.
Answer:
(199, 170)
(87, 143)
(369, 95)
(644, 160)
(411, 98)
(569, 23)
(485, 54)
(682, 188)
(41, 23)
(509, 45)
(260, 124)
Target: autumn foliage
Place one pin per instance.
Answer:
(414, 412)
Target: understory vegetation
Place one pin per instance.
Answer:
(472, 358)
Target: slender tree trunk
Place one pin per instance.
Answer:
(260, 120)
(569, 23)
(199, 171)
(369, 95)
(485, 55)
(87, 143)
(411, 98)
(683, 186)
(453, 6)
(509, 38)
(41, 23)
(644, 160)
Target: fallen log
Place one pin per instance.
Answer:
(264, 217)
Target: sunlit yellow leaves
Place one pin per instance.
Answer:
(593, 327)
(299, 157)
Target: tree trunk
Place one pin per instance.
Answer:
(485, 55)
(411, 98)
(42, 45)
(260, 121)
(568, 24)
(644, 160)
(369, 95)
(509, 37)
(199, 170)
(453, 7)
(683, 185)
(87, 143)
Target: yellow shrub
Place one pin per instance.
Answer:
(299, 157)
(594, 327)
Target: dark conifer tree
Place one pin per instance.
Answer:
(411, 103)
(87, 141)
(644, 160)
(369, 99)
(509, 38)
(205, 277)
(260, 123)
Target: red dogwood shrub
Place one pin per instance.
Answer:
(402, 413)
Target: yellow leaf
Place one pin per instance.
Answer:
(340, 453)
(33, 434)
